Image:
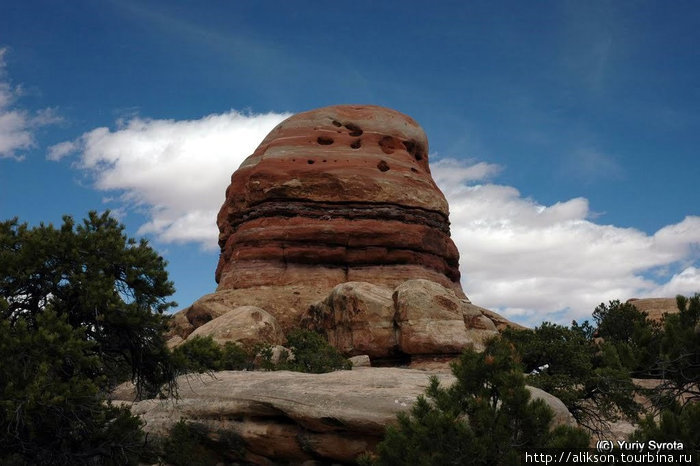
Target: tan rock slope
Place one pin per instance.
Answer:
(292, 417)
(655, 307)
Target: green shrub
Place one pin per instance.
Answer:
(52, 410)
(235, 357)
(485, 417)
(189, 444)
(676, 424)
(589, 380)
(636, 339)
(203, 354)
(312, 353)
(113, 287)
(679, 360)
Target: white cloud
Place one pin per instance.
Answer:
(686, 282)
(17, 125)
(178, 170)
(527, 260)
(535, 262)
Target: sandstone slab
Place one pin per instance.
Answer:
(289, 416)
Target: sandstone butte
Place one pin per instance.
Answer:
(335, 224)
(332, 196)
(335, 195)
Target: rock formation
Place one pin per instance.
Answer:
(655, 307)
(419, 317)
(246, 325)
(333, 195)
(333, 224)
(286, 417)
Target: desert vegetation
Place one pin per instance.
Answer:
(486, 416)
(83, 309)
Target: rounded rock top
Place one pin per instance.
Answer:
(341, 153)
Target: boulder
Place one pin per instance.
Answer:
(285, 303)
(360, 361)
(499, 321)
(419, 317)
(356, 318)
(174, 342)
(179, 326)
(432, 319)
(246, 325)
(295, 417)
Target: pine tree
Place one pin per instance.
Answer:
(486, 417)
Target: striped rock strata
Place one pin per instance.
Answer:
(333, 195)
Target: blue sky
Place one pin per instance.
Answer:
(564, 134)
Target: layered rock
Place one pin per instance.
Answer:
(342, 195)
(334, 195)
(293, 417)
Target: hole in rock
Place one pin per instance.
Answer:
(337, 123)
(356, 144)
(413, 169)
(383, 166)
(354, 129)
(387, 144)
(324, 140)
(310, 162)
(415, 149)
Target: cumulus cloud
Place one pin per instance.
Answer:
(535, 262)
(17, 126)
(529, 261)
(177, 170)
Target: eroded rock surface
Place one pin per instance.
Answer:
(432, 319)
(356, 318)
(246, 325)
(419, 317)
(295, 417)
(334, 195)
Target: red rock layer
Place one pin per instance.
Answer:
(332, 195)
